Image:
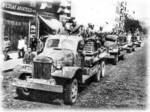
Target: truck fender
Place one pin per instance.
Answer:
(23, 68)
(71, 72)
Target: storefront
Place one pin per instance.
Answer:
(17, 20)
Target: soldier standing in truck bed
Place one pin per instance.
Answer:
(80, 52)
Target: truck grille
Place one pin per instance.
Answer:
(42, 70)
(88, 48)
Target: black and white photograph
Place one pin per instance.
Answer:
(74, 54)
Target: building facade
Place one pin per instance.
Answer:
(16, 21)
(21, 19)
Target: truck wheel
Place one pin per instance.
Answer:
(115, 59)
(102, 69)
(122, 57)
(133, 49)
(101, 72)
(23, 92)
(71, 92)
(129, 50)
(139, 45)
(97, 76)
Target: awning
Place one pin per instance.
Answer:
(18, 13)
(52, 23)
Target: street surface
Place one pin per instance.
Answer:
(123, 87)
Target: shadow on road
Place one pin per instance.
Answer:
(42, 97)
(50, 97)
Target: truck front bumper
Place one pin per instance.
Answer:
(37, 84)
(112, 54)
(137, 43)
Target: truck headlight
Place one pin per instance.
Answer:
(52, 81)
(59, 65)
(53, 68)
(110, 48)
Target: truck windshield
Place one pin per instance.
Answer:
(52, 43)
(67, 44)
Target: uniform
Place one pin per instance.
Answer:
(6, 47)
(28, 57)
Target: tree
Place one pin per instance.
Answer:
(132, 25)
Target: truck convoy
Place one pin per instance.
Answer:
(66, 63)
(62, 67)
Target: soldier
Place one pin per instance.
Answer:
(40, 46)
(6, 47)
(80, 52)
(28, 57)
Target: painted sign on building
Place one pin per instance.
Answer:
(18, 8)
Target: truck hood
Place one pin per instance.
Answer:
(54, 54)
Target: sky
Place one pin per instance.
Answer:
(103, 12)
(100, 12)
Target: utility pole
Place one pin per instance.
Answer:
(37, 21)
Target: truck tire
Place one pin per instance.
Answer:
(71, 92)
(115, 61)
(23, 92)
(101, 72)
(97, 76)
(129, 50)
(133, 48)
(102, 69)
(122, 57)
(139, 45)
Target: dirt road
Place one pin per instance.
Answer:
(123, 87)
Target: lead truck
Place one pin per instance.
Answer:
(64, 65)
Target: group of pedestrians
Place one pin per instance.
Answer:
(27, 48)
(5, 47)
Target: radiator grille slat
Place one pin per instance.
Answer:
(42, 70)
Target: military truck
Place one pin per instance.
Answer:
(130, 46)
(136, 41)
(115, 48)
(65, 64)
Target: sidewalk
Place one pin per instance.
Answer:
(10, 64)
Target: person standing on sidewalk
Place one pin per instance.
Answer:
(6, 47)
(21, 47)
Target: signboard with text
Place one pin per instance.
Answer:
(17, 8)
